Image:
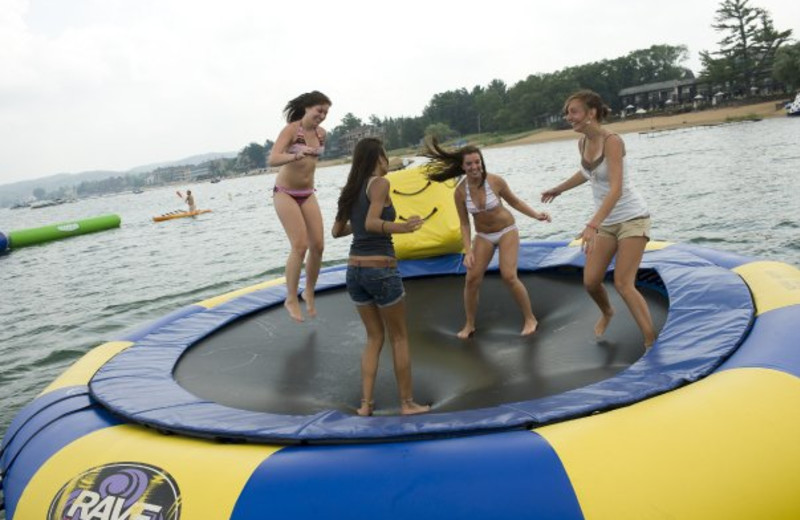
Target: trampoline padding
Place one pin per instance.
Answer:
(498, 380)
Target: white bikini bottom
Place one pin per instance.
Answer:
(495, 237)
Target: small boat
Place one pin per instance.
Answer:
(180, 214)
(215, 180)
(42, 204)
(793, 108)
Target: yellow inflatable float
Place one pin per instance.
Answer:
(414, 194)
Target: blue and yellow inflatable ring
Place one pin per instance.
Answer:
(705, 425)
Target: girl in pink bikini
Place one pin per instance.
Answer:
(296, 151)
(480, 194)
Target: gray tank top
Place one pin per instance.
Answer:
(630, 204)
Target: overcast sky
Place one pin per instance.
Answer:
(115, 84)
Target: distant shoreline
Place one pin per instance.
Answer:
(711, 116)
(644, 123)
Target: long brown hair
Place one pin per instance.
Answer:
(296, 108)
(446, 164)
(367, 153)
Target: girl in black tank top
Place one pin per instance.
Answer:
(373, 281)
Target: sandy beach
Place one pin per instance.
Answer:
(664, 122)
(712, 116)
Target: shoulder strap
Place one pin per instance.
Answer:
(466, 189)
(369, 183)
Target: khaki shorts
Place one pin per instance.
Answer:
(636, 227)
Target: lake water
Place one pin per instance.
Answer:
(732, 187)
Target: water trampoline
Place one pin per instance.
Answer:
(224, 409)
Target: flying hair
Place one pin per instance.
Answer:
(367, 153)
(296, 108)
(445, 164)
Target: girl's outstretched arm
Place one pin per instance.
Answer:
(576, 180)
(518, 204)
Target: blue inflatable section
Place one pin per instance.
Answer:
(775, 334)
(464, 478)
(66, 414)
(710, 312)
(3, 243)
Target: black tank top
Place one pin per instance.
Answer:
(366, 243)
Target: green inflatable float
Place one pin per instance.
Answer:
(71, 228)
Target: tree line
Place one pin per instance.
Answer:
(532, 103)
(752, 53)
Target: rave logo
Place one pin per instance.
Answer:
(119, 491)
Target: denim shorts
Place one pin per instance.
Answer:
(381, 286)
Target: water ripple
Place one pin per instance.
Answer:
(731, 187)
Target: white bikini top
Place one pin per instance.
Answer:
(491, 199)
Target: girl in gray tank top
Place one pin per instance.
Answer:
(620, 225)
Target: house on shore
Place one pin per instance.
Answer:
(662, 94)
(690, 94)
(348, 140)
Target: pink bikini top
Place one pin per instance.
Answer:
(300, 140)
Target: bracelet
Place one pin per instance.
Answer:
(383, 224)
(592, 226)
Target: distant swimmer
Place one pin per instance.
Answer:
(190, 201)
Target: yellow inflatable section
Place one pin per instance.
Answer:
(413, 194)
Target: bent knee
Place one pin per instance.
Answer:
(473, 281)
(624, 287)
(299, 248)
(509, 278)
(375, 337)
(316, 248)
(593, 285)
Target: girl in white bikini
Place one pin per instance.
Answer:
(296, 151)
(480, 194)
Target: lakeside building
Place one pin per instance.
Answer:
(179, 174)
(661, 94)
(348, 140)
(690, 93)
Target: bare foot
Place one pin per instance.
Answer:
(311, 309)
(293, 306)
(366, 408)
(529, 327)
(409, 407)
(602, 324)
(466, 332)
